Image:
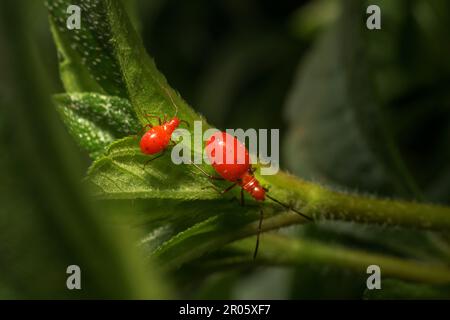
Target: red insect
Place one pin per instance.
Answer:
(157, 138)
(230, 159)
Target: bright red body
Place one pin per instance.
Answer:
(222, 146)
(157, 138)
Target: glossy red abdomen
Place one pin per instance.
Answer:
(228, 156)
(154, 140)
(157, 138)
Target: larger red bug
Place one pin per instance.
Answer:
(221, 147)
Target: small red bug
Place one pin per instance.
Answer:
(221, 147)
(157, 138)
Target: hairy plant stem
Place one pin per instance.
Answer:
(323, 203)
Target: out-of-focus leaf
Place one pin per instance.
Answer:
(412, 76)
(46, 221)
(412, 244)
(246, 78)
(396, 289)
(95, 120)
(337, 133)
(312, 17)
(281, 250)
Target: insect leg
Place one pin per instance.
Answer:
(242, 197)
(206, 173)
(142, 130)
(229, 188)
(261, 217)
(185, 122)
(223, 191)
(170, 97)
(148, 161)
(150, 116)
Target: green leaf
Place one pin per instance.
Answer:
(338, 134)
(88, 59)
(74, 75)
(124, 69)
(95, 120)
(123, 166)
(181, 197)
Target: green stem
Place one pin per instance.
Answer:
(292, 252)
(324, 203)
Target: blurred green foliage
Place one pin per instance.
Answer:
(358, 110)
(47, 223)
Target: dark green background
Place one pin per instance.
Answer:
(242, 64)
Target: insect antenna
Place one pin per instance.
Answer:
(173, 103)
(289, 207)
